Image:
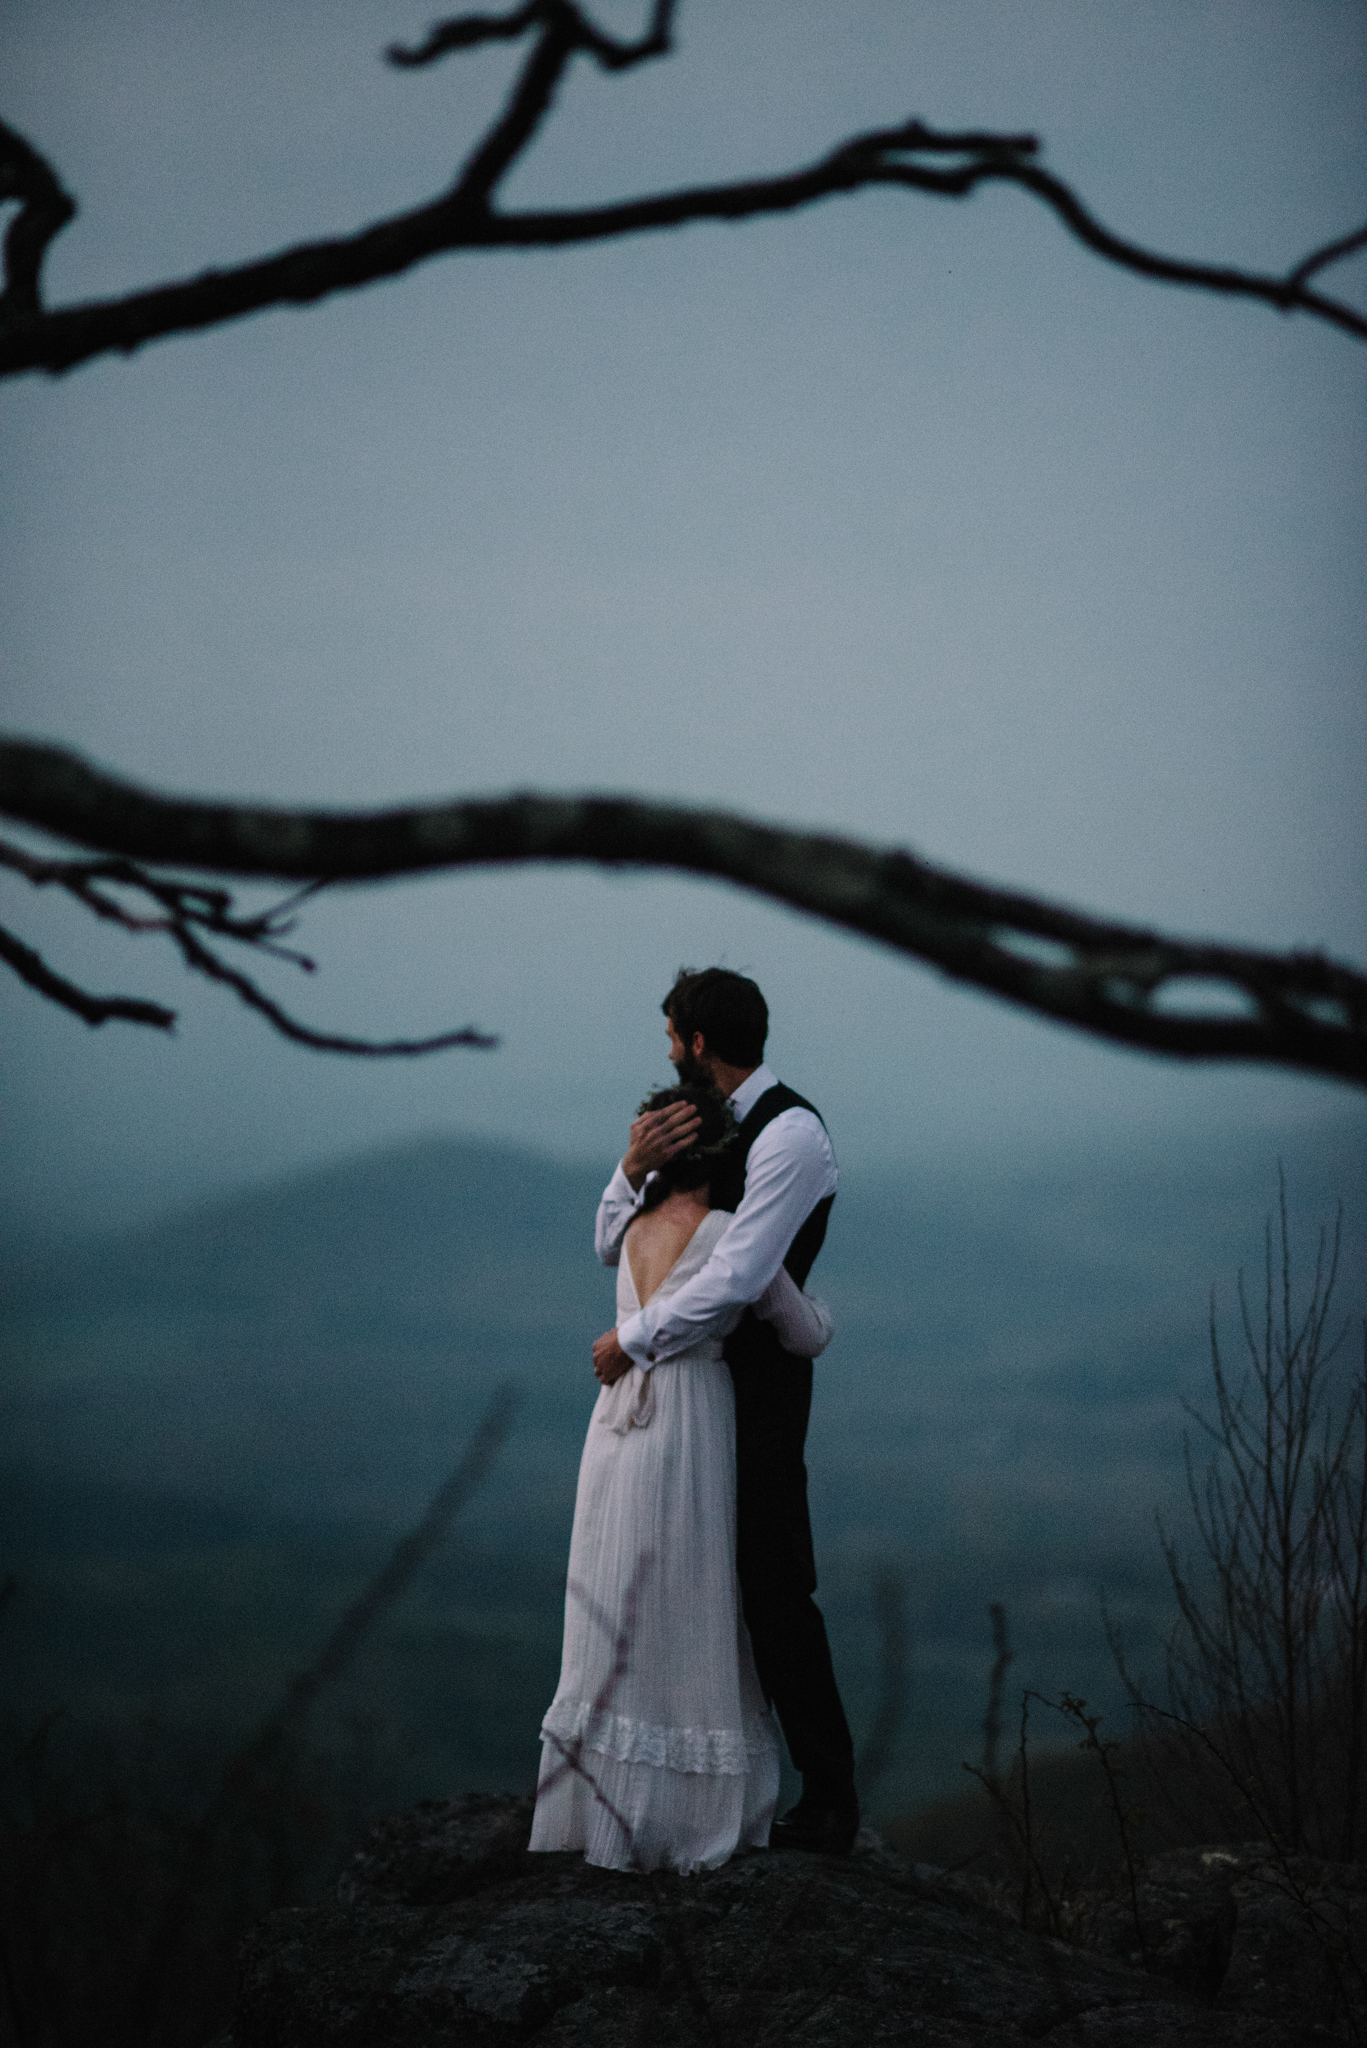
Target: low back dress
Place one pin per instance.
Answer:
(658, 1751)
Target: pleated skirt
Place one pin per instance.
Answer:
(658, 1751)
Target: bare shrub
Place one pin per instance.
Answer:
(1267, 1665)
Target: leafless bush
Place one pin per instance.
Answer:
(1030, 1857)
(1268, 1661)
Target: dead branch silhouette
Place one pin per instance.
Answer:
(1300, 1010)
(1123, 1811)
(183, 912)
(910, 155)
(1269, 1645)
(1109, 980)
(1017, 1821)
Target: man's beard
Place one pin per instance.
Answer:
(691, 1071)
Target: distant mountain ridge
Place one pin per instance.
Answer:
(387, 1293)
(997, 1417)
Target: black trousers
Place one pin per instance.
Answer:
(777, 1568)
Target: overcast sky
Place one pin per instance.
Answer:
(906, 518)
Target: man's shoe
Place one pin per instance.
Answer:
(823, 1829)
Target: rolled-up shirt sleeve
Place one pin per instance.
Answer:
(790, 1168)
(619, 1204)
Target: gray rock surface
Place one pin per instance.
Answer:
(444, 1931)
(1187, 1923)
(1236, 1927)
(1300, 1944)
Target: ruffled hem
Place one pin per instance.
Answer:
(713, 1752)
(627, 1816)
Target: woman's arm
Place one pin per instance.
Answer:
(617, 1211)
(804, 1324)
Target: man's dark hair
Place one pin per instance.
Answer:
(730, 1012)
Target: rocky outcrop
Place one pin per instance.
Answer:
(1187, 1919)
(1299, 1946)
(446, 1933)
(1236, 1927)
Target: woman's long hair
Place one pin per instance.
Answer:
(695, 1167)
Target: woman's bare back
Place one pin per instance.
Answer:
(656, 1241)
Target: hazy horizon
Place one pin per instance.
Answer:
(1339, 1133)
(215, 1427)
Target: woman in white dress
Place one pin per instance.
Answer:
(658, 1750)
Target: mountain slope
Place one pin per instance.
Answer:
(213, 1428)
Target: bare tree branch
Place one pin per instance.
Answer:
(564, 30)
(463, 218)
(405, 1560)
(567, 22)
(186, 910)
(526, 110)
(1114, 981)
(465, 32)
(33, 969)
(44, 210)
(1332, 252)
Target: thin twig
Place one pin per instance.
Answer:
(1021, 1825)
(1262, 1652)
(1332, 252)
(466, 32)
(564, 30)
(33, 969)
(406, 1559)
(1075, 1710)
(44, 210)
(185, 909)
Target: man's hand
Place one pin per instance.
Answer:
(656, 1137)
(609, 1359)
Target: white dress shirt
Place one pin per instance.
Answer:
(790, 1168)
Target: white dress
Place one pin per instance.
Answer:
(658, 1751)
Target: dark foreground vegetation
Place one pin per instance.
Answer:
(127, 1880)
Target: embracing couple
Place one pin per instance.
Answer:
(689, 1617)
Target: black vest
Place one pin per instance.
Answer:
(726, 1189)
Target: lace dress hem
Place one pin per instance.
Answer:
(714, 1752)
